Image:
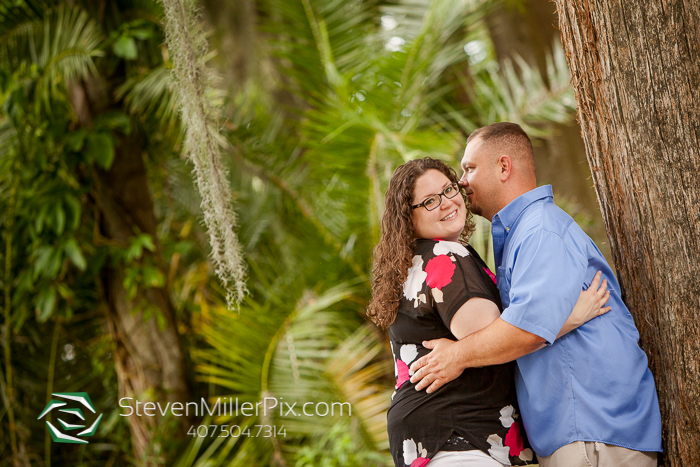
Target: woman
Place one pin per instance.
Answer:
(429, 283)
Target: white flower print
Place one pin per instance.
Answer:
(437, 295)
(408, 352)
(414, 281)
(412, 452)
(526, 455)
(507, 416)
(444, 247)
(497, 450)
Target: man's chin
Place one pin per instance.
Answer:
(476, 210)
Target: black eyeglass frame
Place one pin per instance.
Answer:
(454, 185)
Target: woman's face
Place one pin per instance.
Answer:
(445, 222)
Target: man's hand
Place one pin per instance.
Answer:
(439, 367)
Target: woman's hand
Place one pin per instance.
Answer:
(589, 305)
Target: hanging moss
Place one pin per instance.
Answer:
(186, 41)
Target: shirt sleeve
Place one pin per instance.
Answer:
(545, 282)
(450, 292)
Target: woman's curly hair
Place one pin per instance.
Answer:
(392, 257)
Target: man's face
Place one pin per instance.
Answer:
(480, 179)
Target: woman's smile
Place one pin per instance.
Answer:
(450, 216)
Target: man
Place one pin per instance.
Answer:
(587, 398)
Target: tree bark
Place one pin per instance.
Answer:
(149, 361)
(636, 72)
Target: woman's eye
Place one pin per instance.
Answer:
(429, 202)
(449, 189)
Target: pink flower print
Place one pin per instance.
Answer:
(513, 440)
(420, 462)
(402, 373)
(440, 270)
(491, 275)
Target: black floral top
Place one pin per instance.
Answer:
(479, 409)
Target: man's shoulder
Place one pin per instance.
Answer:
(547, 216)
(546, 222)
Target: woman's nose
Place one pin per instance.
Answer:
(446, 203)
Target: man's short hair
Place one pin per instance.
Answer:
(507, 137)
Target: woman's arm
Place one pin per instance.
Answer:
(474, 315)
(589, 305)
(477, 313)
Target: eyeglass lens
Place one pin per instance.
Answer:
(434, 201)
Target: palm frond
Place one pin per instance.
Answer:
(295, 354)
(357, 369)
(518, 93)
(152, 93)
(52, 51)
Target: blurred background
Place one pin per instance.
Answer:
(107, 284)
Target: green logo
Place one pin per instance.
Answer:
(59, 436)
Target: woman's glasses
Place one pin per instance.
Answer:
(433, 201)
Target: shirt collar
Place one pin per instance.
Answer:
(509, 214)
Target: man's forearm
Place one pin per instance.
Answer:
(497, 343)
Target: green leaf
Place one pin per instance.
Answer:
(131, 281)
(147, 242)
(152, 277)
(43, 256)
(60, 218)
(76, 256)
(100, 148)
(160, 318)
(41, 218)
(142, 34)
(114, 121)
(45, 304)
(125, 47)
(74, 207)
(76, 139)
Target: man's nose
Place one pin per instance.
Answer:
(463, 181)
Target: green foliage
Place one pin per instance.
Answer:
(337, 449)
(53, 255)
(341, 100)
(297, 352)
(518, 94)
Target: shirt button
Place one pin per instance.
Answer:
(507, 229)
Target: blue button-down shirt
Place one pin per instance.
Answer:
(592, 384)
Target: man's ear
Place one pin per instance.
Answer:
(505, 167)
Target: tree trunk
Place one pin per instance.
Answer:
(530, 31)
(149, 360)
(636, 72)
